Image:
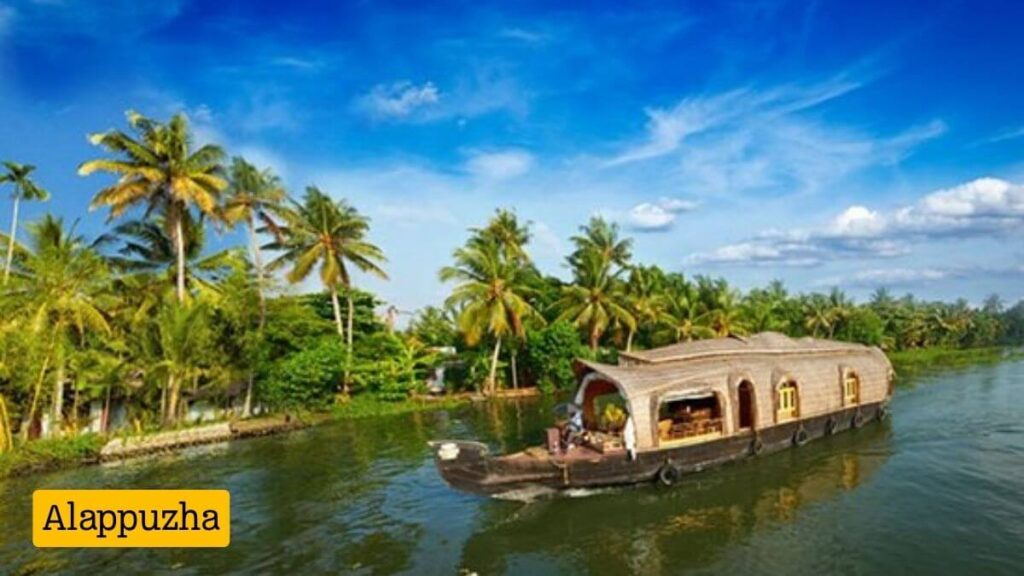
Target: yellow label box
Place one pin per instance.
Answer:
(131, 518)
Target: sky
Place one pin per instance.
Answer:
(829, 143)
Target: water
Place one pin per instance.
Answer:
(939, 488)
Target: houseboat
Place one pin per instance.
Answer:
(662, 413)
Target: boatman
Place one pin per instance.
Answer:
(629, 437)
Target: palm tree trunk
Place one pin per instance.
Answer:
(595, 337)
(179, 248)
(105, 416)
(60, 371)
(629, 340)
(74, 410)
(6, 442)
(10, 240)
(348, 350)
(492, 384)
(337, 312)
(163, 403)
(171, 416)
(26, 425)
(515, 371)
(257, 260)
(247, 408)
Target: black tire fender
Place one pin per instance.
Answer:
(756, 447)
(858, 419)
(830, 426)
(883, 412)
(668, 474)
(800, 437)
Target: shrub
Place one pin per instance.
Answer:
(308, 378)
(550, 352)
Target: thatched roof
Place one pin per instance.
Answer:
(690, 364)
(761, 343)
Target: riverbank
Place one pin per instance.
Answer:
(913, 362)
(85, 449)
(52, 454)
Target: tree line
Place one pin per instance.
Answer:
(612, 302)
(149, 316)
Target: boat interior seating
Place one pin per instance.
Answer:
(690, 417)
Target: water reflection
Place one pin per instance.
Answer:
(659, 531)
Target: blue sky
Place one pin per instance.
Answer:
(823, 143)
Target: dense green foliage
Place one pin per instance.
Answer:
(549, 356)
(307, 378)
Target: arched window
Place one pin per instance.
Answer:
(788, 401)
(745, 394)
(851, 388)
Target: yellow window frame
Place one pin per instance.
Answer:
(851, 388)
(787, 401)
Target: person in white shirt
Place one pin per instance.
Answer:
(629, 437)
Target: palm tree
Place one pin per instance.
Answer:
(645, 301)
(64, 284)
(504, 230)
(817, 317)
(254, 195)
(492, 296)
(332, 234)
(722, 306)
(146, 248)
(683, 315)
(601, 237)
(596, 300)
(159, 169)
(24, 189)
(182, 339)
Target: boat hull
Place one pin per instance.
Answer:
(468, 466)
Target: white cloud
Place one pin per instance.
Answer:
(657, 216)
(979, 208)
(500, 165)
(398, 100)
(857, 221)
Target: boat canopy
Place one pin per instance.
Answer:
(706, 368)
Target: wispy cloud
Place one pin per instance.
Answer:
(918, 277)
(657, 216)
(499, 165)
(413, 215)
(754, 139)
(890, 278)
(1009, 134)
(484, 90)
(531, 37)
(296, 63)
(668, 127)
(398, 100)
